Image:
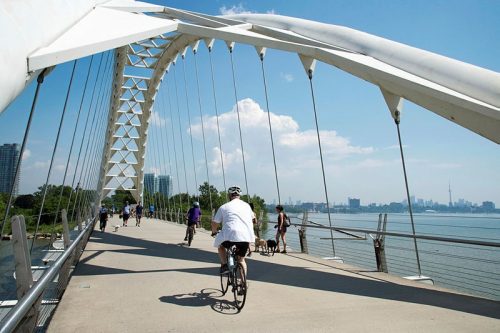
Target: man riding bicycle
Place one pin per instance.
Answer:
(193, 217)
(236, 216)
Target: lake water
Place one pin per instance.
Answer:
(7, 268)
(469, 268)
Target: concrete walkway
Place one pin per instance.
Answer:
(147, 280)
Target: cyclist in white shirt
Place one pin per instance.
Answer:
(237, 227)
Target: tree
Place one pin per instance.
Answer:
(25, 201)
(120, 197)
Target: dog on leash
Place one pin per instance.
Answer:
(271, 245)
(260, 244)
(117, 227)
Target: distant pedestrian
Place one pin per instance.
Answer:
(256, 226)
(193, 217)
(138, 214)
(103, 218)
(151, 210)
(281, 232)
(126, 213)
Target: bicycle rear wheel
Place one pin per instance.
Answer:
(224, 283)
(239, 287)
(190, 235)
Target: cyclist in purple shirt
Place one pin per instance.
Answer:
(193, 217)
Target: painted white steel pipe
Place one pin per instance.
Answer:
(27, 25)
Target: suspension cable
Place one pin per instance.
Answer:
(39, 81)
(154, 147)
(217, 117)
(261, 56)
(164, 161)
(203, 130)
(83, 138)
(99, 139)
(61, 121)
(161, 197)
(85, 168)
(170, 183)
(190, 128)
(310, 75)
(71, 146)
(239, 122)
(175, 153)
(180, 130)
(89, 156)
(397, 121)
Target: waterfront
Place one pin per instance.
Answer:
(468, 268)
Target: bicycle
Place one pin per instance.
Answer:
(190, 233)
(236, 278)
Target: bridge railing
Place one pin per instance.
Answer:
(465, 259)
(37, 300)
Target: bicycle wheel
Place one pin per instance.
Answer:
(224, 283)
(190, 235)
(239, 287)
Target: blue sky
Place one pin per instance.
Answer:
(360, 137)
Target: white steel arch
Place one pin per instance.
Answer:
(465, 94)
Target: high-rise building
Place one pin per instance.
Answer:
(150, 183)
(165, 186)
(354, 203)
(9, 155)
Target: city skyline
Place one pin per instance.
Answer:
(420, 202)
(166, 188)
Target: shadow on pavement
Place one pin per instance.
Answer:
(301, 277)
(206, 297)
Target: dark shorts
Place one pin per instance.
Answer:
(125, 217)
(192, 223)
(102, 224)
(241, 247)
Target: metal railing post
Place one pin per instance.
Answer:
(64, 273)
(24, 275)
(302, 234)
(379, 245)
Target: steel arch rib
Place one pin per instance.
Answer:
(459, 92)
(355, 52)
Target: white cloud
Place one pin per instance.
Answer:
(371, 163)
(395, 147)
(296, 150)
(26, 154)
(41, 164)
(154, 170)
(60, 167)
(287, 77)
(446, 166)
(156, 120)
(235, 9)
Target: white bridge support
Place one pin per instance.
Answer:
(460, 92)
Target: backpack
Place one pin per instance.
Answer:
(286, 222)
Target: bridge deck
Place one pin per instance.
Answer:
(145, 280)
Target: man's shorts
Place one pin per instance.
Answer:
(125, 217)
(241, 247)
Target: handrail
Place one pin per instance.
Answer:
(18, 312)
(404, 235)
